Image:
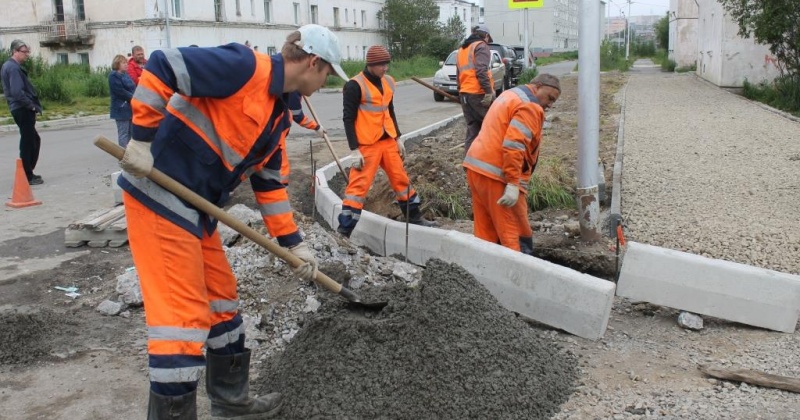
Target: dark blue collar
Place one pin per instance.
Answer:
(276, 85)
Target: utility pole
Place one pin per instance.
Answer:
(628, 32)
(589, 119)
(166, 22)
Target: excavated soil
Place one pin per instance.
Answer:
(442, 349)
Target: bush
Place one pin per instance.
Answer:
(783, 93)
(96, 85)
(668, 65)
(527, 75)
(612, 57)
(51, 86)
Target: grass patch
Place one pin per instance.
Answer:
(527, 75)
(783, 93)
(686, 69)
(547, 187)
(668, 65)
(444, 204)
(557, 58)
(419, 66)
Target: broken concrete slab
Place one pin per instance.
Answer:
(723, 289)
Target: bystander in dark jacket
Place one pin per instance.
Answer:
(121, 87)
(23, 102)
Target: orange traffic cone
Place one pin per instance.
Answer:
(22, 195)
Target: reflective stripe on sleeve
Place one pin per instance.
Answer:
(522, 128)
(513, 144)
(175, 59)
(231, 158)
(146, 96)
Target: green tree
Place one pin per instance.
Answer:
(662, 32)
(409, 24)
(771, 22)
(454, 29)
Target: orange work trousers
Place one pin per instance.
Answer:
(383, 154)
(189, 296)
(493, 222)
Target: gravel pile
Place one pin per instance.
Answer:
(28, 334)
(443, 349)
(710, 173)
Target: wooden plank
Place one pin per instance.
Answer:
(107, 217)
(754, 377)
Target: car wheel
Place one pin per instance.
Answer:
(438, 97)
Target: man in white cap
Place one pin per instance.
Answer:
(475, 84)
(210, 117)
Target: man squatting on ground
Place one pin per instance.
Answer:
(210, 117)
(372, 134)
(475, 83)
(502, 158)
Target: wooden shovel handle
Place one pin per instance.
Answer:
(327, 140)
(207, 207)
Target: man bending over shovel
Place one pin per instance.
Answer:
(209, 118)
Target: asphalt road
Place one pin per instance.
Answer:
(77, 174)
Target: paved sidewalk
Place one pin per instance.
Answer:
(709, 172)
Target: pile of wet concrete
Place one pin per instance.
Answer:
(442, 349)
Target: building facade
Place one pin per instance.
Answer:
(94, 31)
(467, 12)
(721, 56)
(553, 27)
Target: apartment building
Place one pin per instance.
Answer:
(552, 27)
(93, 31)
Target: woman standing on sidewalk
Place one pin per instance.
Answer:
(121, 87)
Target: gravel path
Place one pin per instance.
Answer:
(713, 175)
(710, 173)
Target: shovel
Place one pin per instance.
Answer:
(327, 140)
(207, 207)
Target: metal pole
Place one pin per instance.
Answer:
(526, 57)
(589, 118)
(166, 20)
(628, 32)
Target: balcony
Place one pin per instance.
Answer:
(67, 33)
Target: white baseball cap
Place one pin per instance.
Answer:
(320, 41)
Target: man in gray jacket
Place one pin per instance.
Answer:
(24, 105)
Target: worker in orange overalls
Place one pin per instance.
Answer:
(502, 158)
(297, 115)
(372, 134)
(475, 84)
(209, 118)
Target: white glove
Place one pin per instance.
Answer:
(510, 196)
(401, 147)
(137, 161)
(321, 131)
(308, 270)
(487, 99)
(359, 159)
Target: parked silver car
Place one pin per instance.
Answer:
(445, 78)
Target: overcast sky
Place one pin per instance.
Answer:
(639, 8)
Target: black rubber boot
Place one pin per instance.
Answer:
(181, 407)
(415, 218)
(526, 245)
(228, 387)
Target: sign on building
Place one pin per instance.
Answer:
(524, 4)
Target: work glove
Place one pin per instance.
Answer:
(137, 161)
(487, 99)
(308, 270)
(401, 147)
(358, 158)
(321, 131)
(510, 196)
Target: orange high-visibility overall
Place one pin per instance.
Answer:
(505, 152)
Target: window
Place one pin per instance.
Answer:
(346, 17)
(219, 11)
(296, 13)
(177, 8)
(363, 18)
(336, 17)
(267, 11)
(314, 14)
(271, 50)
(62, 58)
(81, 10)
(84, 59)
(348, 52)
(59, 10)
(252, 7)
(238, 7)
(364, 52)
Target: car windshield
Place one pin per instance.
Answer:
(451, 59)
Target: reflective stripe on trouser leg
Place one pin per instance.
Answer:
(175, 283)
(493, 222)
(348, 218)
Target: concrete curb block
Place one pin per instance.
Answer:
(554, 295)
(722, 289)
(44, 125)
